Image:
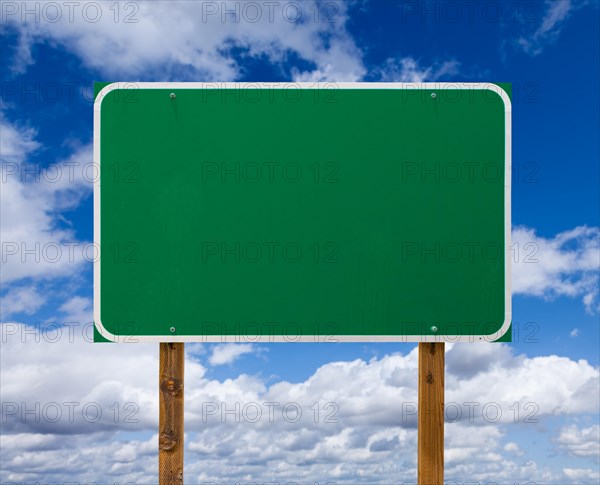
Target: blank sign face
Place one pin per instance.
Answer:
(302, 212)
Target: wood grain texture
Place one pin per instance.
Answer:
(170, 419)
(431, 414)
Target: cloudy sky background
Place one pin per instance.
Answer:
(342, 413)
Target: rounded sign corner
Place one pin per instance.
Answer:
(502, 93)
(104, 92)
(499, 336)
(102, 332)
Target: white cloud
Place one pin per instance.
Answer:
(466, 362)
(566, 265)
(77, 309)
(462, 444)
(16, 142)
(513, 447)
(37, 458)
(36, 239)
(200, 38)
(362, 429)
(409, 70)
(548, 385)
(583, 442)
(574, 333)
(555, 15)
(21, 299)
(580, 474)
(62, 367)
(228, 353)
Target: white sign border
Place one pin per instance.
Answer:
(308, 338)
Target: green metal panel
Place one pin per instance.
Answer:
(339, 212)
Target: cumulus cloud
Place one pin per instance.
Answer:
(44, 372)
(21, 299)
(77, 309)
(547, 385)
(567, 264)
(468, 361)
(584, 442)
(582, 475)
(42, 458)
(348, 422)
(513, 447)
(16, 142)
(37, 240)
(129, 41)
(228, 353)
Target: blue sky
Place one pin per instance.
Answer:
(548, 50)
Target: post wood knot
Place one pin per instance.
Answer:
(429, 378)
(167, 441)
(171, 386)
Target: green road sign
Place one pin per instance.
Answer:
(302, 212)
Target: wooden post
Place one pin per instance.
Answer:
(170, 418)
(431, 414)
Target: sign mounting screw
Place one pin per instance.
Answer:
(434, 329)
(433, 95)
(172, 329)
(172, 95)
